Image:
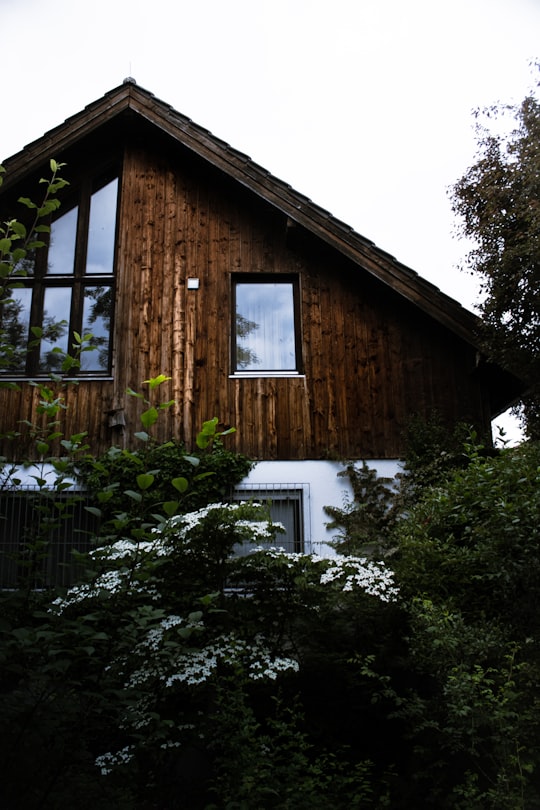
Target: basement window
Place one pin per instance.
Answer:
(286, 506)
(266, 326)
(68, 288)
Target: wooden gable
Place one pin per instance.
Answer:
(378, 344)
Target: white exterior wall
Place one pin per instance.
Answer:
(321, 487)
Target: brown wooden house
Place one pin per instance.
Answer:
(183, 256)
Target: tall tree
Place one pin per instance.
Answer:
(498, 201)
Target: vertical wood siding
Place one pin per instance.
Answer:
(371, 360)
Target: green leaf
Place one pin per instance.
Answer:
(170, 507)
(149, 417)
(202, 441)
(203, 475)
(18, 254)
(209, 427)
(228, 431)
(193, 460)
(18, 228)
(144, 437)
(145, 480)
(153, 382)
(27, 202)
(136, 496)
(180, 484)
(48, 207)
(93, 510)
(5, 245)
(42, 448)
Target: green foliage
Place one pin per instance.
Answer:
(469, 567)
(474, 539)
(463, 531)
(433, 451)
(497, 200)
(366, 519)
(18, 243)
(160, 476)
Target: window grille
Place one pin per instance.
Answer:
(286, 504)
(39, 531)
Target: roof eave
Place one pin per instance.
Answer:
(129, 96)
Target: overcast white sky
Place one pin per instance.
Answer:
(363, 105)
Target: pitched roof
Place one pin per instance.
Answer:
(129, 99)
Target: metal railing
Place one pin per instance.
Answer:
(41, 532)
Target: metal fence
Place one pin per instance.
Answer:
(44, 532)
(41, 532)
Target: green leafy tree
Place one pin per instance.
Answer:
(498, 201)
(468, 566)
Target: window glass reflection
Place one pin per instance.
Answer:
(56, 306)
(97, 311)
(61, 255)
(265, 338)
(14, 323)
(100, 255)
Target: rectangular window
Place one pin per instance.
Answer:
(67, 287)
(286, 507)
(265, 329)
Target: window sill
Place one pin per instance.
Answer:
(43, 379)
(247, 375)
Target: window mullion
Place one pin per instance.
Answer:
(79, 269)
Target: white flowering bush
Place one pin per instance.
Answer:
(350, 573)
(190, 649)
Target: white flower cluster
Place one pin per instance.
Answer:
(260, 530)
(255, 529)
(358, 572)
(198, 665)
(106, 762)
(156, 658)
(154, 637)
(111, 581)
(353, 572)
(184, 523)
(114, 582)
(126, 548)
(267, 667)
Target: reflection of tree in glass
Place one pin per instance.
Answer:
(52, 333)
(26, 267)
(245, 356)
(14, 335)
(14, 314)
(100, 310)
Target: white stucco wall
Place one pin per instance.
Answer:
(29, 476)
(321, 487)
